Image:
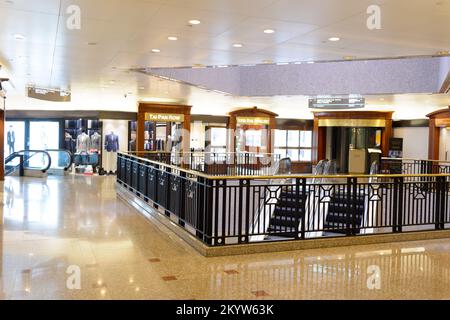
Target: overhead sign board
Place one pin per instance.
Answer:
(253, 120)
(337, 102)
(53, 95)
(164, 117)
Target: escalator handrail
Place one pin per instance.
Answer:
(18, 153)
(70, 154)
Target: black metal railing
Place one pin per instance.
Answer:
(214, 163)
(413, 166)
(222, 210)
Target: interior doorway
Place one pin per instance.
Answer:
(343, 144)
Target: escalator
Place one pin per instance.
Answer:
(38, 163)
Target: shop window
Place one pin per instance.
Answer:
(295, 144)
(218, 143)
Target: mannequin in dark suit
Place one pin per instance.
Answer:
(11, 139)
(111, 147)
(111, 142)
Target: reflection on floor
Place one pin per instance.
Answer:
(53, 227)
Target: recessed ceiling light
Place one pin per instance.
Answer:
(443, 53)
(269, 31)
(268, 61)
(194, 22)
(334, 39)
(172, 38)
(19, 36)
(310, 62)
(349, 57)
(238, 45)
(156, 50)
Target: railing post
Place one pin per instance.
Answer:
(244, 211)
(21, 167)
(440, 206)
(181, 198)
(397, 214)
(350, 207)
(301, 209)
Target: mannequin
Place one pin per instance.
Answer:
(111, 147)
(83, 142)
(96, 141)
(11, 140)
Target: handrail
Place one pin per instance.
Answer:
(292, 176)
(197, 152)
(412, 159)
(70, 154)
(22, 152)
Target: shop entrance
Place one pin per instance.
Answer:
(163, 136)
(354, 139)
(349, 147)
(163, 128)
(251, 131)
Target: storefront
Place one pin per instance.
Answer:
(347, 137)
(93, 138)
(250, 130)
(164, 128)
(439, 135)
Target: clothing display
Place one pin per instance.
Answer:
(111, 142)
(83, 142)
(96, 141)
(69, 142)
(11, 139)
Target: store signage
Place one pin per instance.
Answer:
(253, 120)
(53, 95)
(330, 102)
(164, 117)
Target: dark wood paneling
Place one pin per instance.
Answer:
(209, 119)
(294, 124)
(417, 123)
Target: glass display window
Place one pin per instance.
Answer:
(295, 144)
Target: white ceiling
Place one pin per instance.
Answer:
(126, 31)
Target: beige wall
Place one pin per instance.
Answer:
(415, 141)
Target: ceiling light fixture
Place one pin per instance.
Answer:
(269, 31)
(19, 36)
(334, 39)
(194, 22)
(156, 50)
(172, 38)
(238, 45)
(349, 57)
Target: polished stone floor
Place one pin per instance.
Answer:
(64, 227)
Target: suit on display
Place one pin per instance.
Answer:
(83, 143)
(11, 138)
(96, 141)
(111, 142)
(111, 147)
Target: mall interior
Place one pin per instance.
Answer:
(212, 149)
